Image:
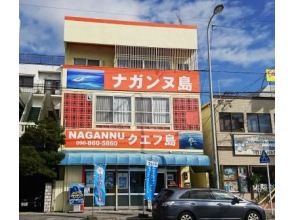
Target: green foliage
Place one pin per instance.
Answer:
(38, 149)
(255, 179)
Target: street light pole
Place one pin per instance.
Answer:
(216, 11)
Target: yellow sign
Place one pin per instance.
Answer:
(270, 75)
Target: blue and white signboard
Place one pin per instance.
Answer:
(150, 179)
(99, 185)
(76, 194)
(264, 158)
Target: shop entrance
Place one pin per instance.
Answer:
(125, 186)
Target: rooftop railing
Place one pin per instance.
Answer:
(41, 59)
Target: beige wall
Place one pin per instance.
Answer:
(200, 179)
(103, 53)
(206, 128)
(226, 157)
(243, 106)
(57, 196)
(72, 174)
(129, 35)
(224, 139)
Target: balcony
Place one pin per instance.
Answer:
(23, 126)
(41, 88)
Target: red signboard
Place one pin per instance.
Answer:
(97, 138)
(145, 80)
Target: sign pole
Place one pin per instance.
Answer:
(269, 187)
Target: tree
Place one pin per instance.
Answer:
(38, 149)
(39, 157)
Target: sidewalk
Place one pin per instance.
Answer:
(100, 215)
(111, 215)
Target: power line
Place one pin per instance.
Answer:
(228, 71)
(251, 84)
(74, 9)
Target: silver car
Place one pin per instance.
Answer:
(203, 203)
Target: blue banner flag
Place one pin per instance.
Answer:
(76, 194)
(99, 185)
(150, 179)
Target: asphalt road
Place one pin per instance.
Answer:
(44, 217)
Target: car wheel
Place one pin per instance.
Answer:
(186, 216)
(253, 215)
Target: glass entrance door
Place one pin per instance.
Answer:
(160, 183)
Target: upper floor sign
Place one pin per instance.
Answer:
(125, 79)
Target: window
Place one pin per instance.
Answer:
(220, 195)
(152, 110)
(80, 61)
(235, 179)
(137, 182)
(183, 66)
(196, 194)
(230, 178)
(113, 109)
(231, 121)
(52, 86)
(149, 64)
(259, 123)
(86, 62)
(93, 63)
(26, 81)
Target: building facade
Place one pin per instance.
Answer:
(245, 125)
(131, 94)
(39, 88)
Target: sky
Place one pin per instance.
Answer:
(242, 37)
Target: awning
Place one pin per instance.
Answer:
(134, 158)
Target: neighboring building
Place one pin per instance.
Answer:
(245, 125)
(39, 88)
(131, 94)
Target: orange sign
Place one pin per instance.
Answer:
(94, 138)
(152, 80)
(145, 80)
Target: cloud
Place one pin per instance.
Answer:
(42, 27)
(269, 8)
(226, 83)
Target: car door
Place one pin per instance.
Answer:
(228, 208)
(202, 204)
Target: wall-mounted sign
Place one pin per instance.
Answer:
(147, 139)
(97, 138)
(122, 180)
(76, 194)
(270, 75)
(191, 140)
(125, 79)
(254, 144)
(81, 79)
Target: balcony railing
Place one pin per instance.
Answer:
(41, 59)
(40, 89)
(23, 126)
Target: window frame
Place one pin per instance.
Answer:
(152, 111)
(26, 85)
(231, 122)
(112, 110)
(258, 115)
(224, 192)
(187, 195)
(86, 61)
